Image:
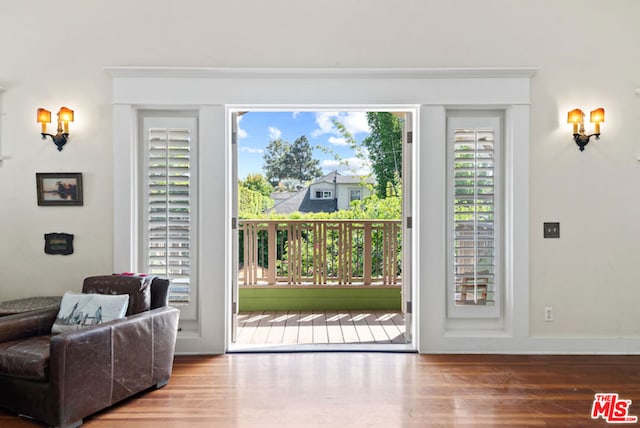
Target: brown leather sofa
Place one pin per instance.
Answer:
(64, 378)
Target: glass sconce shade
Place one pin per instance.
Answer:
(575, 116)
(65, 115)
(597, 115)
(44, 116)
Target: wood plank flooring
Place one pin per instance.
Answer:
(375, 390)
(320, 327)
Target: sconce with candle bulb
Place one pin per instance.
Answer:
(576, 117)
(65, 116)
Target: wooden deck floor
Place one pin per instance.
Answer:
(375, 390)
(330, 327)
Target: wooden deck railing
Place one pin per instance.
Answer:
(320, 252)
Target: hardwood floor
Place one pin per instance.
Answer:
(320, 327)
(376, 390)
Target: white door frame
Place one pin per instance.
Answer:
(209, 90)
(407, 287)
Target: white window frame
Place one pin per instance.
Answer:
(167, 118)
(478, 119)
(351, 198)
(324, 194)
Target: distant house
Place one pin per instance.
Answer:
(329, 193)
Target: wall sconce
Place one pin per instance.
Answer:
(576, 117)
(65, 116)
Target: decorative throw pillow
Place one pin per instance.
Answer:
(79, 310)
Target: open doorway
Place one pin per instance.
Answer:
(321, 228)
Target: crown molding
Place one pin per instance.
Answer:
(328, 73)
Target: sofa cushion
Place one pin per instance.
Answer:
(26, 358)
(84, 310)
(138, 289)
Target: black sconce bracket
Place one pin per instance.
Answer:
(60, 139)
(583, 139)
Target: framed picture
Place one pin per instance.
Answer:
(60, 189)
(58, 243)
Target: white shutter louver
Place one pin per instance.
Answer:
(474, 225)
(170, 210)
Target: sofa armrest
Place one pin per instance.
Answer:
(27, 324)
(92, 368)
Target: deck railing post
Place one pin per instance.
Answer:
(272, 249)
(367, 248)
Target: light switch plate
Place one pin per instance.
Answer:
(552, 230)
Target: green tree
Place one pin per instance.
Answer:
(250, 203)
(258, 183)
(275, 156)
(389, 207)
(384, 147)
(300, 162)
(254, 196)
(283, 160)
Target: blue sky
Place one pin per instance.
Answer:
(256, 129)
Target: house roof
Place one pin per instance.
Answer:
(278, 197)
(289, 202)
(336, 177)
(301, 201)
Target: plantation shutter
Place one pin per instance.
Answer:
(474, 213)
(170, 206)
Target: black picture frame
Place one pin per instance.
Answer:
(59, 188)
(58, 243)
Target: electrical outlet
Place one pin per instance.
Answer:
(548, 314)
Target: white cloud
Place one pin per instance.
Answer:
(274, 133)
(325, 123)
(241, 132)
(355, 122)
(348, 166)
(251, 150)
(295, 114)
(338, 141)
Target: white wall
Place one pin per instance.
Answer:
(54, 54)
(321, 187)
(344, 194)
